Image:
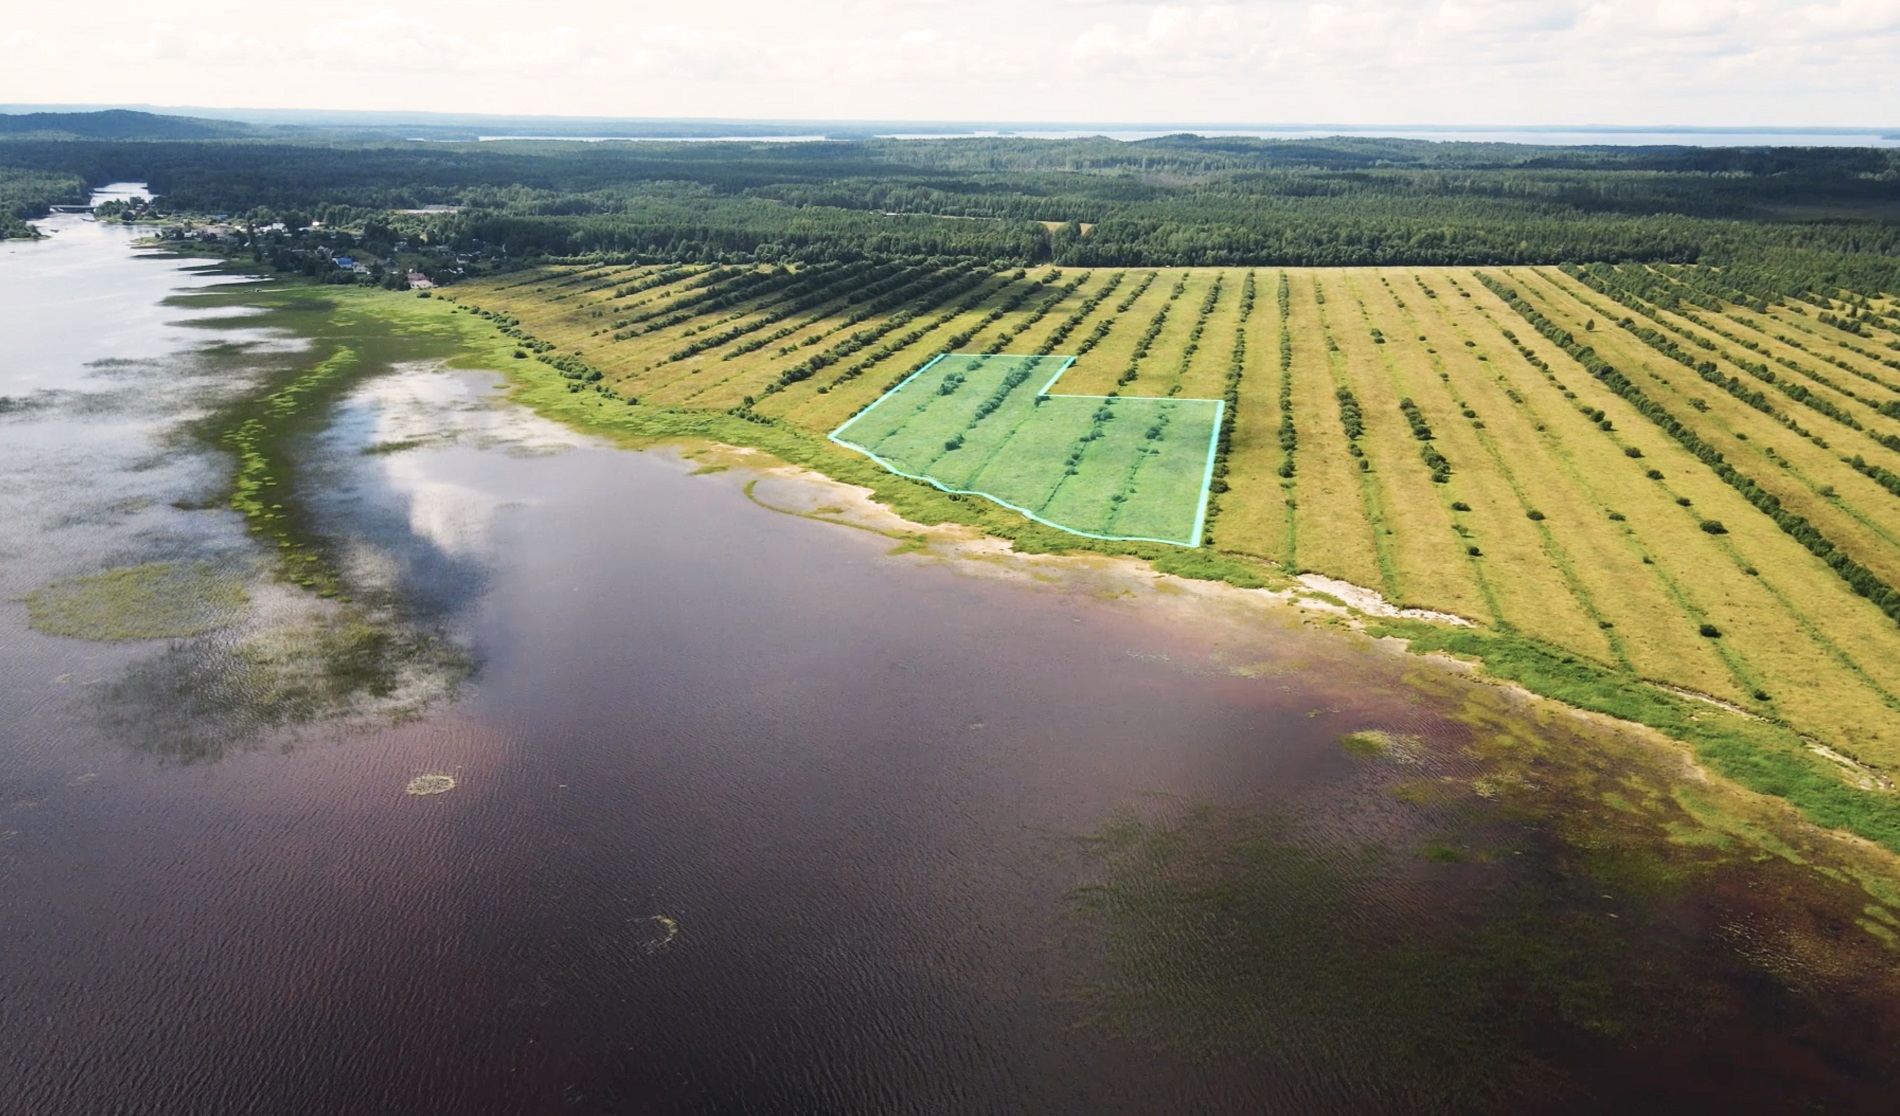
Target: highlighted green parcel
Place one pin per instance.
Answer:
(989, 425)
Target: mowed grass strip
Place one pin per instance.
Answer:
(1205, 376)
(1335, 534)
(1163, 495)
(1096, 372)
(1161, 370)
(1431, 561)
(1254, 515)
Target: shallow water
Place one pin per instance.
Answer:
(751, 814)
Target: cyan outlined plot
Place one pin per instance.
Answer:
(1106, 467)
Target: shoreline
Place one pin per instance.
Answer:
(1824, 785)
(1761, 756)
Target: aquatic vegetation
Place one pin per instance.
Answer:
(430, 784)
(658, 933)
(332, 663)
(1226, 933)
(157, 600)
(1380, 744)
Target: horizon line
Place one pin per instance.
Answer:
(26, 107)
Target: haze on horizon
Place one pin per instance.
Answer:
(1617, 62)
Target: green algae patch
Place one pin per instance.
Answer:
(1396, 747)
(157, 600)
(430, 784)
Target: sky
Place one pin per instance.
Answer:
(1451, 62)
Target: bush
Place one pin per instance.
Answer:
(1654, 474)
(1534, 514)
(1474, 552)
(1460, 505)
(1711, 631)
(1632, 451)
(1714, 527)
(1616, 517)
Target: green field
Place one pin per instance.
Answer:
(992, 425)
(1649, 493)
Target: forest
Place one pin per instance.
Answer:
(1796, 218)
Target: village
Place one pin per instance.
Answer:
(373, 253)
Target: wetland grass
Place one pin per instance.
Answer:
(157, 600)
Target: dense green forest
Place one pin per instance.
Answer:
(25, 194)
(1794, 217)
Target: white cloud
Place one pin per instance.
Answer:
(1384, 61)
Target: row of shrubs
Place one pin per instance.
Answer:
(1103, 327)
(829, 279)
(1147, 339)
(900, 284)
(1434, 460)
(1288, 433)
(707, 283)
(1040, 311)
(856, 342)
(1230, 393)
(1081, 313)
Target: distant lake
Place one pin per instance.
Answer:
(1684, 137)
(674, 797)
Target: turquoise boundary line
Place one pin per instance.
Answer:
(1207, 475)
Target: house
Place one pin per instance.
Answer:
(419, 282)
(343, 261)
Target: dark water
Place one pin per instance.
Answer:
(752, 815)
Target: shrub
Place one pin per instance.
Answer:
(1710, 631)
(1534, 514)
(1616, 517)
(1632, 451)
(1684, 501)
(1460, 505)
(1474, 552)
(1714, 527)
(1654, 474)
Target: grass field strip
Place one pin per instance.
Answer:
(1119, 468)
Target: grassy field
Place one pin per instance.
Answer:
(1104, 466)
(1636, 474)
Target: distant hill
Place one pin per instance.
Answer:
(119, 124)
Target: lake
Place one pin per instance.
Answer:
(752, 809)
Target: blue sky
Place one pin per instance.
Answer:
(1694, 62)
